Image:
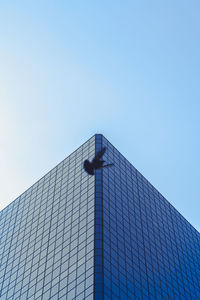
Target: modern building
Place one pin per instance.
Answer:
(108, 236)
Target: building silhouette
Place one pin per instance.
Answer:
(109, 236)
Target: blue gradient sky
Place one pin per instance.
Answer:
(127, 69)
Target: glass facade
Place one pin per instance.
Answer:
(149, 250)
(108, 236)
(47, 235)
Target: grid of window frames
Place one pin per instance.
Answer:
(98, 229)
(47, 235)
(150, 250)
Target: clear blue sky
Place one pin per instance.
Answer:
(127, 69)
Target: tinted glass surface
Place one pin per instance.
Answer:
(47, 235)
(138, 246)
(98, 237)
(150, 250)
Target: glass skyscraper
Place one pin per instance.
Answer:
(108, 236)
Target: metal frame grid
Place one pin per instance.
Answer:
(150, 250)
(98, 238)
(108, 236)
(47, 235)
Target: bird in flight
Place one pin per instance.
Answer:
(96, 163)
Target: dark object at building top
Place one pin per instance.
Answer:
(96, 163)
